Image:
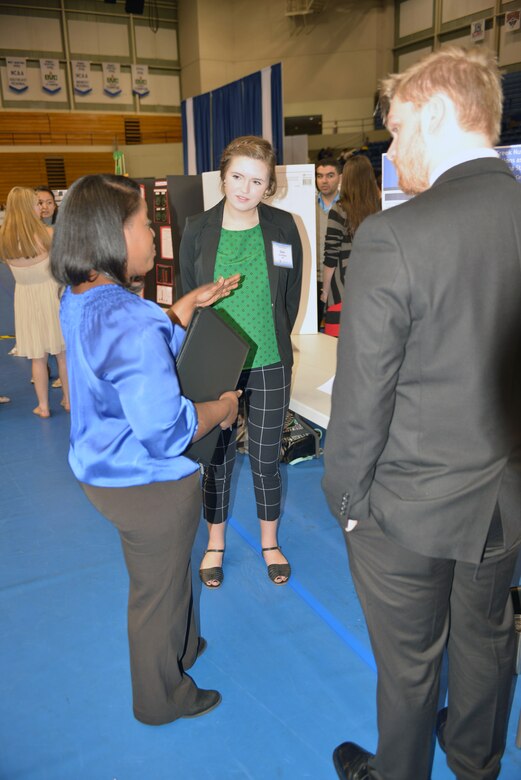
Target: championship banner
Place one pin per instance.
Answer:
(111, 78)
(50, 76)
(477, 30)
(140, 80)
(81, 76)
(513, 20)
(17, 73)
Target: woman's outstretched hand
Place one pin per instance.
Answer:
(212, 292)
(182, 310)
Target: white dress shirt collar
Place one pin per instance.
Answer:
(461, 157)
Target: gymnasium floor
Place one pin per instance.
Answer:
(293, 663)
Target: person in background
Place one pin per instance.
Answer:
(47, 210)
(423, 452)
(24, 245)
(359, 197)
(327, 179)
(130, 426)
(47, 206)
(243, 235)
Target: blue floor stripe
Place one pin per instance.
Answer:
(318, 608)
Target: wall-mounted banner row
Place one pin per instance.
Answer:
(512, 23)
(52, 77)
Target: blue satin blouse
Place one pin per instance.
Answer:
(129, 422)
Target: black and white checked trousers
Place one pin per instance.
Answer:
(266, 395)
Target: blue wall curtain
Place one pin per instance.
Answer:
(185, 136)
(276, 112)
(202, 132)
(227, 117)
(231, 111)
(252, 104)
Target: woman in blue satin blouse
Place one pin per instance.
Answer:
(130, 426)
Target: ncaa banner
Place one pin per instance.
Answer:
(50, 76)
(17, 73)
(81, 77)
(111, 78)
(140, 80)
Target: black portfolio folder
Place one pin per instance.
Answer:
(209, 363)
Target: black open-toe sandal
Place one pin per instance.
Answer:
(214, 573)
(277, 569)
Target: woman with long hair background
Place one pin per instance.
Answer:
(46, 205)
(24, 245)
(359, 197)
(47, 210)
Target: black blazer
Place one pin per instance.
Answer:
(198, 252)
(424, 432)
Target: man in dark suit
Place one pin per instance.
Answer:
(422, 459)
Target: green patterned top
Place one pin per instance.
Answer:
(248, 309)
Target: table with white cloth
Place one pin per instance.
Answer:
(315, 364)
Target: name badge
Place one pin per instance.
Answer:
(282, 255)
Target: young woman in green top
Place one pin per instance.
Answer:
(263, 245)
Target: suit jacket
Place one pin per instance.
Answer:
(424, 431)
(198, 252)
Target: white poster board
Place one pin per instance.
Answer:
(296, 194)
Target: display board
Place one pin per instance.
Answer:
(170, 201)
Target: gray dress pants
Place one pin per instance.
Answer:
(415, 606)
(157, 524)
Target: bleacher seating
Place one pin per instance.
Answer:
(374, 152)
(511, 120)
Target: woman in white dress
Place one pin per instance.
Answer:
(24, 246)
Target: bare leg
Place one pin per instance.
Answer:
(62, 371)
(41, 386)
(268, 530)
(216, 534)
